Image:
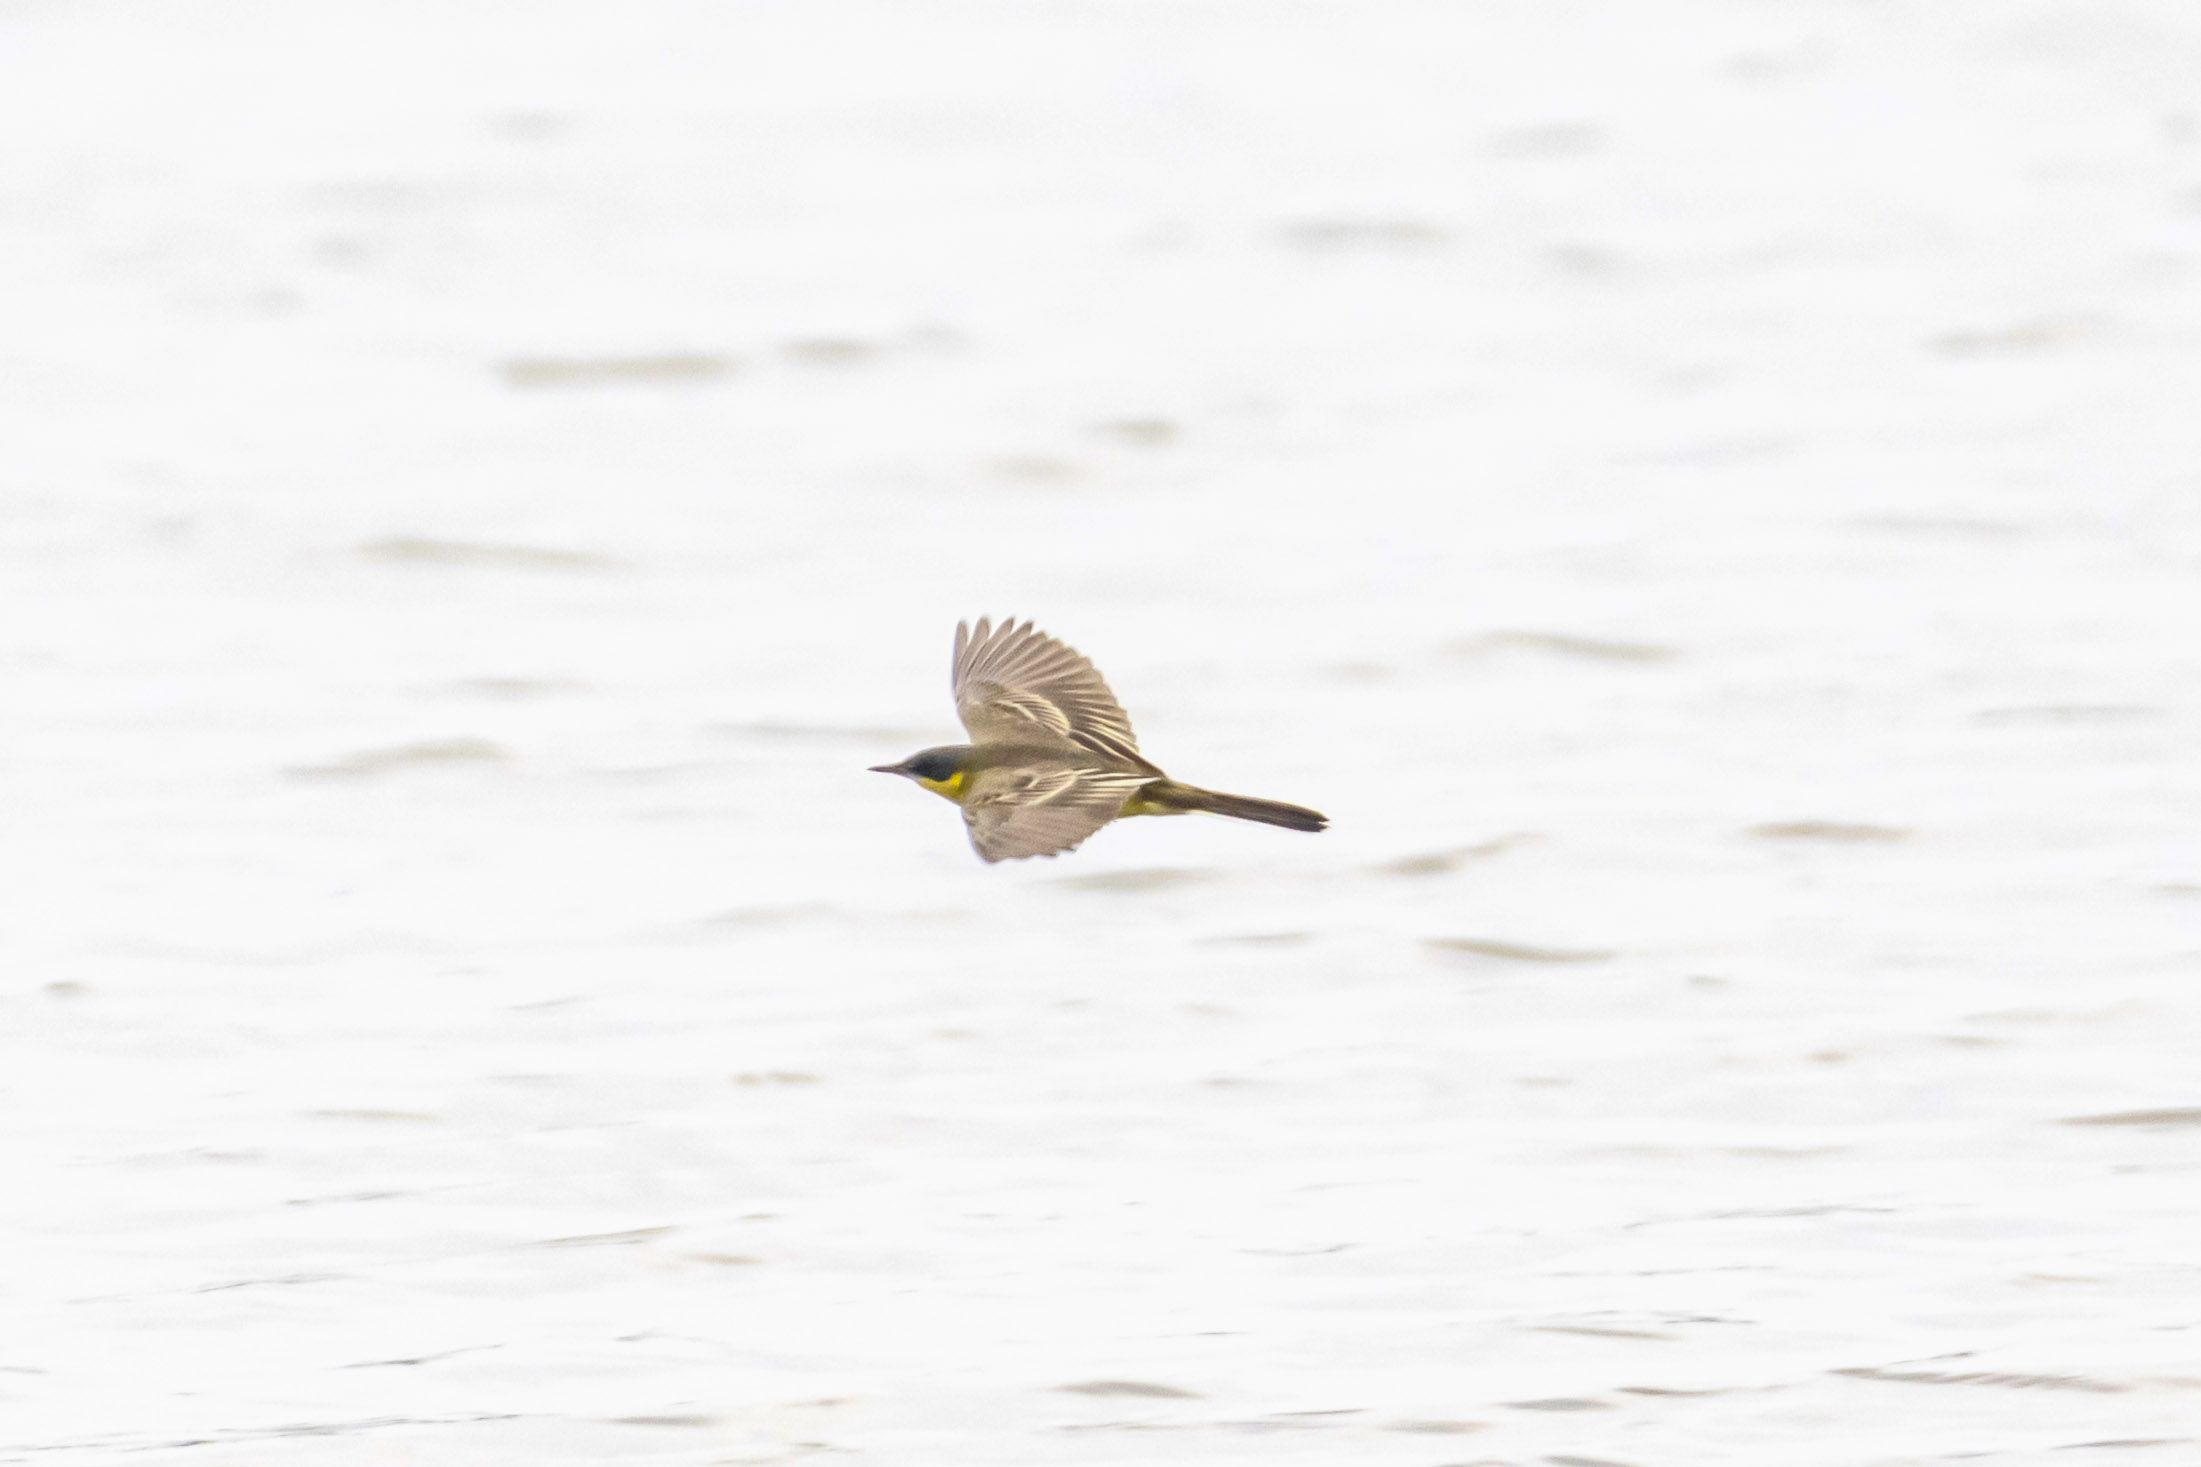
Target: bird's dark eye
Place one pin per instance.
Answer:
(933, 766)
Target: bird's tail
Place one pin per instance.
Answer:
(1167, 797)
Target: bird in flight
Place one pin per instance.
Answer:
(1052, 757)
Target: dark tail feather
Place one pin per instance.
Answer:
(1170, 795)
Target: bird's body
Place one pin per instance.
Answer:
(1052, 757)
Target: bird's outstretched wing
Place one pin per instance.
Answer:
(1015, 684)
(1042, 812)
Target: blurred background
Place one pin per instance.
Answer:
(1703, 494)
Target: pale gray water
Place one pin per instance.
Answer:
(1704, 495)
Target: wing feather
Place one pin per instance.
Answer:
(1013, 813)
(1014, 683)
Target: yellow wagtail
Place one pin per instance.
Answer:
(1052, 757)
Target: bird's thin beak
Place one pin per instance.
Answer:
(886, 769)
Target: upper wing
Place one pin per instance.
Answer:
(1042, 812)
(1015, 683)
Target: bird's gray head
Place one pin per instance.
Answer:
(929, 766)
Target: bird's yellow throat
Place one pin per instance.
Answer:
(950, 788)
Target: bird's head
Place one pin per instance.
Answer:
(942, 770)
